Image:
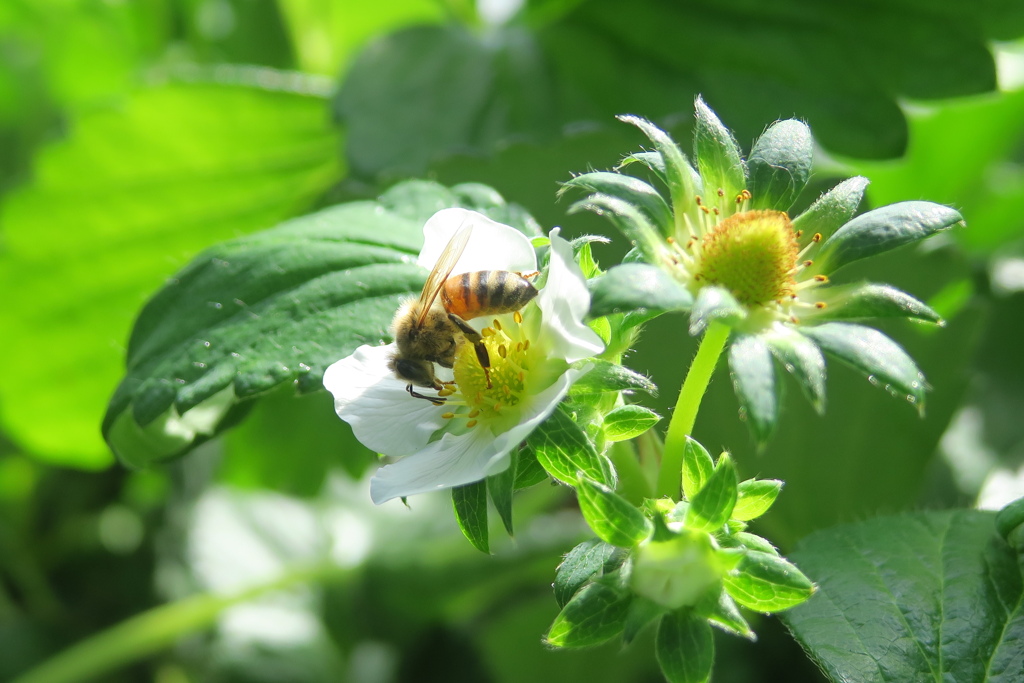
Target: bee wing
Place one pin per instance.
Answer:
(442, 269)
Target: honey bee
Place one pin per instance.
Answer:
(429, 329)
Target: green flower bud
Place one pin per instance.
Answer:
(676, 572)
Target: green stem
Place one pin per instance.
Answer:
(685, 413)
(157, 629)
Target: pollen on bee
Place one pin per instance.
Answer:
(518, 317)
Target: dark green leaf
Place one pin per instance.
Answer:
(765, 582)
(753, 380)
(802, 358)
(871, 352)
(718, 160)
(628, 421)
(611, 517)
(596, 613)
(714, 303)
(500, 487)
(114, 209)
(865, 301)
(637, 287)
(880, 230)
(629, 189)
(608, 376)
(652, 160)
(529, 472)
(754, 497)
(642, 611)
(470, 503)
(685, 647)
(697, 467)
(712, 506)
(780, 164)
(832, 210)
(584, 562)
(924, 596)
(565, 450)
(1010, 523)
(680, 176)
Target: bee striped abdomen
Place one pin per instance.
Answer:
(486, 292)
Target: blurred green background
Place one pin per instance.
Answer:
(135, 133)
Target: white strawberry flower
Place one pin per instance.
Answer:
(532, 352)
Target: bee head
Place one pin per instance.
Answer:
(418, 372)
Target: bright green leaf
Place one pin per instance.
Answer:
(583, 563)
(754, 497)
(596, 613)
(753, 380)
(718, 160)
(697, 467)
(832, 210)
(607, 376)
(802, 358)
(865, 301)
(714, 303)
(470, 504)
(629, 220)
(637, 287)
(565, 450)
(721, 611)
(628, 422)
(611, 517)
(500, 487)
(712, 506)
(629, 189)
(765, 582)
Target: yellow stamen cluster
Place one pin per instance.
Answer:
(509, 370)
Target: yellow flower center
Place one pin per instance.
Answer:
(752, 254)
(508, 353)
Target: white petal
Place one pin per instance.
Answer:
(375, 403)
(450, 461)
(457, 460)
(492, 246)
(564, 302)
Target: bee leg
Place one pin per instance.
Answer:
(437, 401)
(527, 276)
(477, 341)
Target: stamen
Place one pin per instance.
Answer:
(820, 304)
(716, 211)
(471, 424)
(473, 413)
(448, 416)
(447, 391)
(526, 345)
(705, 209)
(508, 392)
(496, 325)
(518, 317)
(721, 192)
(487, 332)
(699, 200)
(497, 407)
(502, 351)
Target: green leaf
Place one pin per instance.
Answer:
(721, 611)
(596, 613)
(629, 220)
(871, 352)
(754, 542)
(113, 209)
(608, 376)
(637, 287)
(565, 450)
(765, 582)
(922, 596)
(864, 301)
(629, 421)
(880, 230)
(712, 506)
(832, 210)
(697, 467)
(802, 358)
(714, 303)
(630, 190)
(500, 487)
(780, 164)
(251, 314)
(470, 503)
(1010, 523)
(754, 497)
(753, 380)
(685, 647)
(680, 176)
(584, 562)
(472, 93)
(652, 160)
(611, 517)
(529, 472)
(718, 160)
(642, 611)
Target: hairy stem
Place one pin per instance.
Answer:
(685, 413)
